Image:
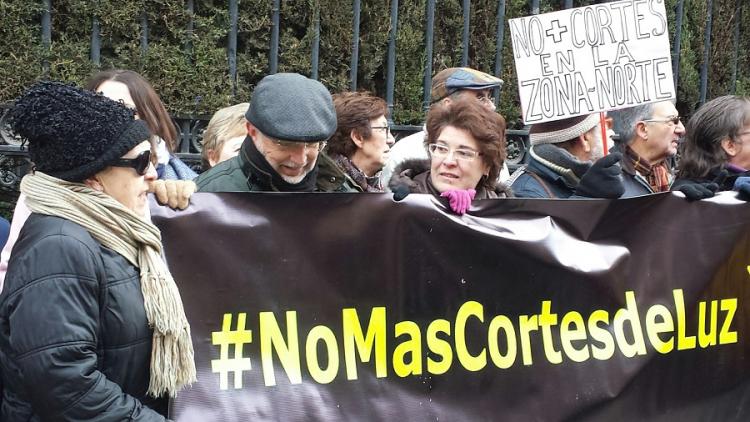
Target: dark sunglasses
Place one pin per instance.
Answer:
(139, 163)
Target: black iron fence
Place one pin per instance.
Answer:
(13, 157)
(46, 35)
(95, 49)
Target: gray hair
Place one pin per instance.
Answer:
(225, 124)
(717, 120)
(624, 120)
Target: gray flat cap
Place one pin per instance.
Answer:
(292, 107)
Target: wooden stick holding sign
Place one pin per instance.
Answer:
(603, 126)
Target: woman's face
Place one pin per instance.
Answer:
(373, 151)
(229, 149)
(117, 91)
(124, 184)
(450, 164)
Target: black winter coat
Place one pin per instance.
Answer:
(74, 340)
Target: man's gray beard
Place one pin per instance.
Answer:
(293, 180)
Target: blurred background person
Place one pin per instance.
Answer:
(466, 142)
(135, 92)
(224, 135)
(713, 156)
(77, 341)
(360, 145)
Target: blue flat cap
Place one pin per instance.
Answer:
(453, 79)
(292, 107)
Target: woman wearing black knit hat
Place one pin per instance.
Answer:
(91, 322)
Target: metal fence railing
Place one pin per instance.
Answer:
(191, 126)
(391, 48)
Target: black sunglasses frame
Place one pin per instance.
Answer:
(139, 163)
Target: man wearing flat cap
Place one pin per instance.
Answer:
(447, 85)
(288, 122)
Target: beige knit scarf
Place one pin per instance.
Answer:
(138, 241)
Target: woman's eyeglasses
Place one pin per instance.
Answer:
(139, 163)
(387, 129)
(462, 154)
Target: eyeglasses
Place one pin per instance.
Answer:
(462, 154)
(139, 163)
(486, 99)
(289, 145)
(674, 120)
(387, 129)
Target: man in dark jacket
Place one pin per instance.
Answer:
(562, 153)
(649, 134)
(288, 122)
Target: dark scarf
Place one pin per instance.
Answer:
(424, 181)
(657, 175)
(257, 170)
(560, 161)
(368, 184)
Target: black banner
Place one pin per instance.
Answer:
(320, 307)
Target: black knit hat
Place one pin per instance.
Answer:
(73, 133)
(292, 107)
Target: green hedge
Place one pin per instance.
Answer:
(197, 81)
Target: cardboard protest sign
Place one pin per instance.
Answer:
(590, 59)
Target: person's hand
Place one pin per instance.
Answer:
(742, 186)
(603, 179)
(695, 191)
(459, 199)
(174, 193)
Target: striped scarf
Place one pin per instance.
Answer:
(368, 184)
(139, 242)
(657, 175)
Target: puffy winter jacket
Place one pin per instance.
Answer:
(74, 340)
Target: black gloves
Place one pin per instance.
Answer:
(603, 179)
(742, 186)
(400, 192)
(695, 191)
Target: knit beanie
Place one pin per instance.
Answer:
(74, 133)
(292, 107)
(562, 130)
